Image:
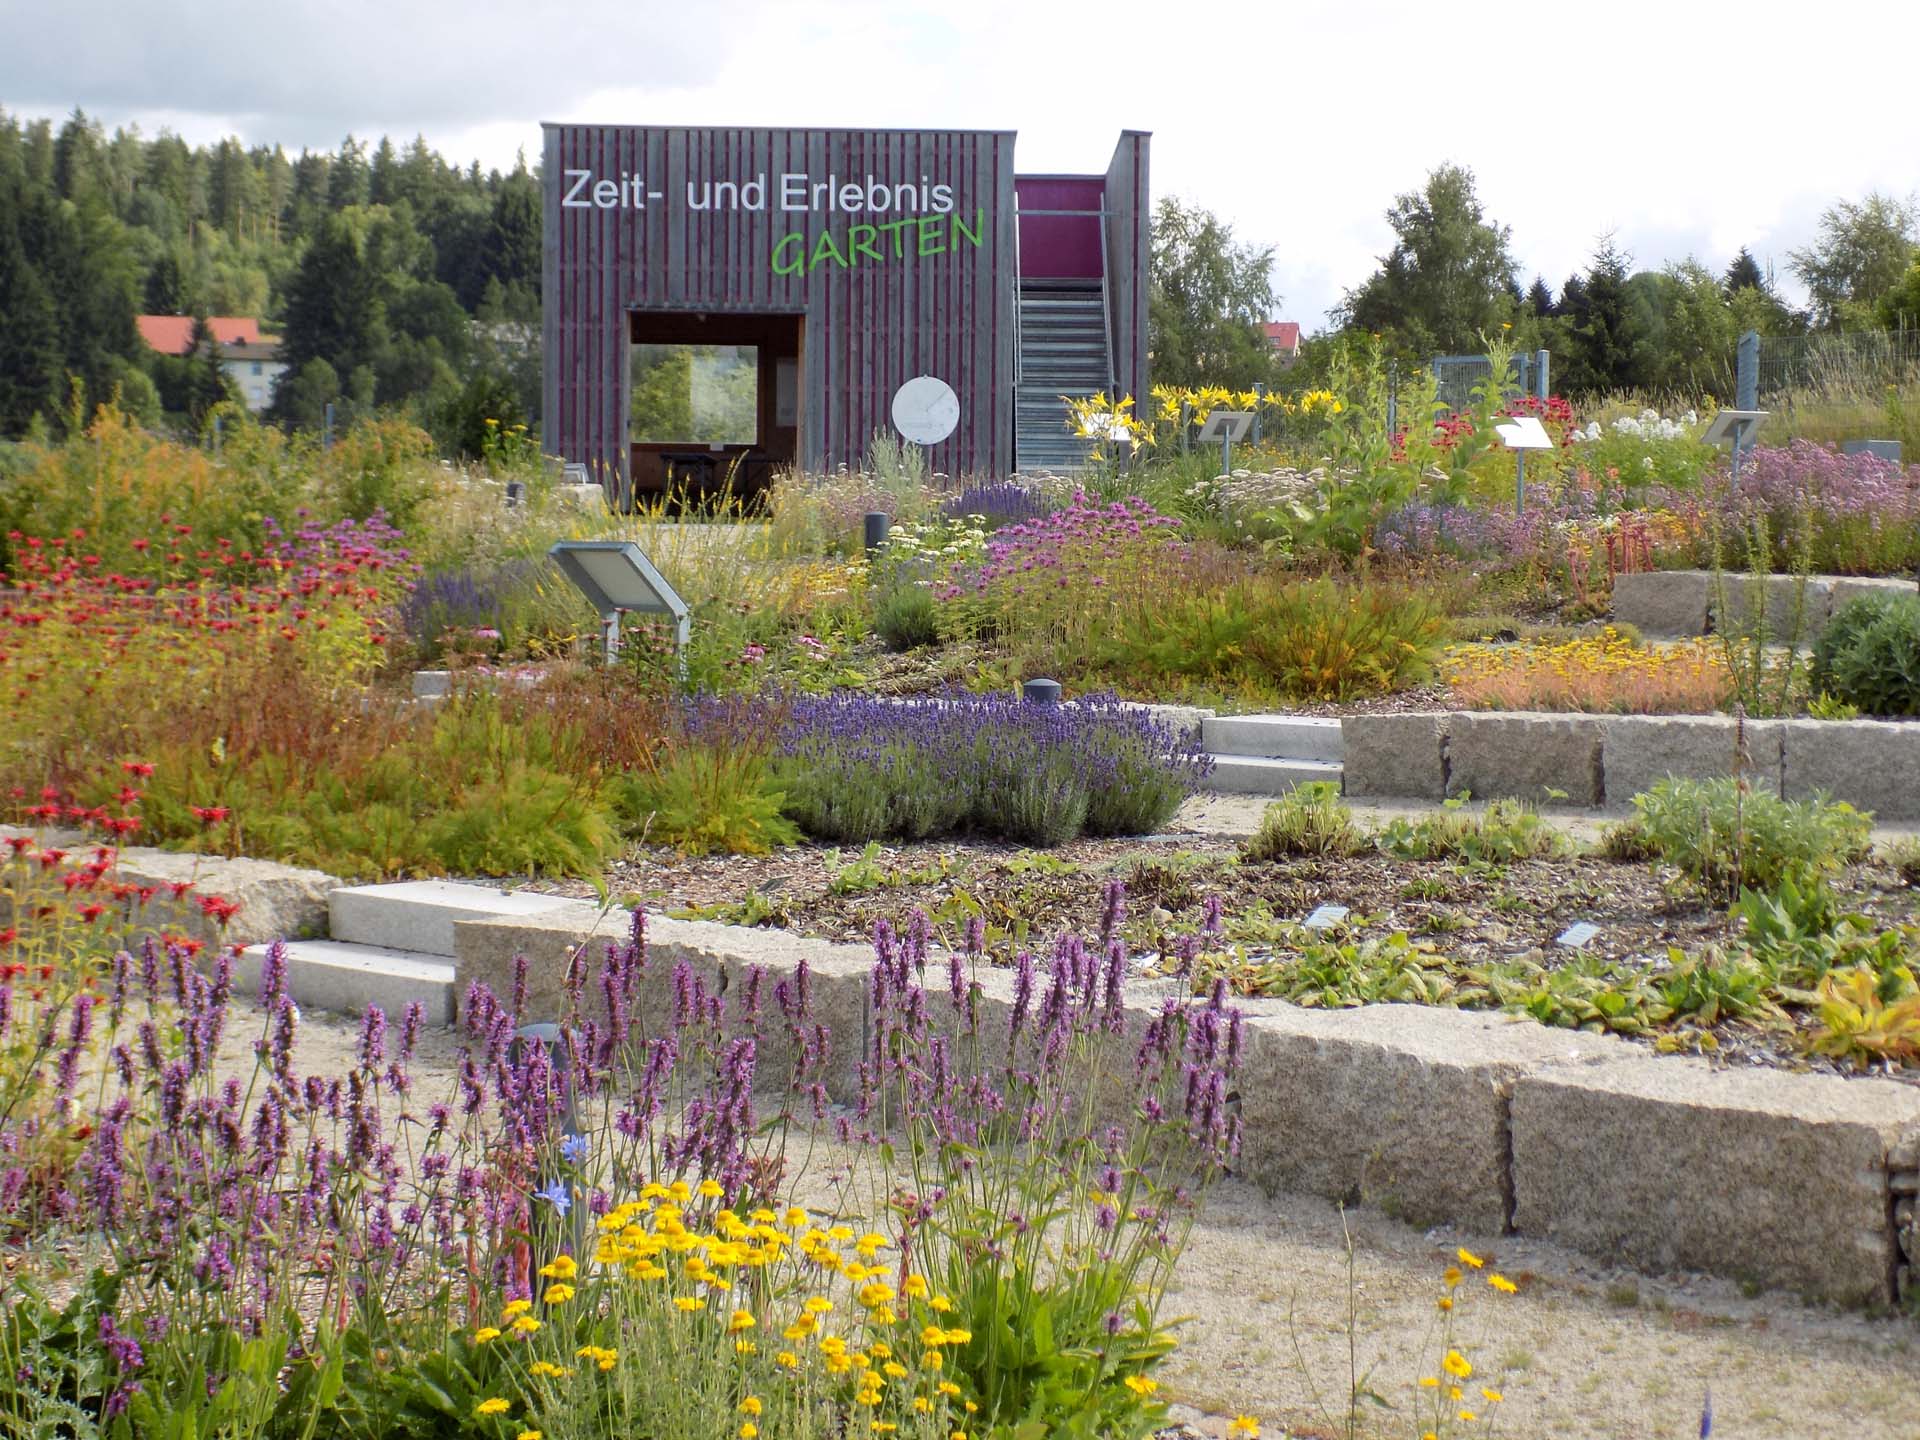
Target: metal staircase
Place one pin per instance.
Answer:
(1065, 349)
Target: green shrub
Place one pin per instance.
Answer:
(703, 800)
(1310, 820)
(906, 618)
(1904, 856)
(1505, 831)
(1875, 663)
(1319, 639)
(1725, 841)
(1849, 622)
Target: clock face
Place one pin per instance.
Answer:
(925, 410)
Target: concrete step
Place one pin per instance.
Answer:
(418, 915)
(1259, 775)
(330, 975)
(1292, 737)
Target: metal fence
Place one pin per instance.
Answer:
(1457, 375)
(1853, 364)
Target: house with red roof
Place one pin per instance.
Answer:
(1283, 338)
(250, 358)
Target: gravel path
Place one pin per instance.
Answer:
(1581, 1351)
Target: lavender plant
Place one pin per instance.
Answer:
(285, 1254)
(858, 769)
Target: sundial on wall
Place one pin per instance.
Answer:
(925, 410)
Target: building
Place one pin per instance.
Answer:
(1283, 338)
(251, 360)
(722, 303)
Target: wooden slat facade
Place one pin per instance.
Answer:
(865, 328)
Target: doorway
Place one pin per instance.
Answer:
(714, 404)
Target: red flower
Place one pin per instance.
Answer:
(137, 767)
(179, 887)
(219, 908)
(8, 936)
(209, 814)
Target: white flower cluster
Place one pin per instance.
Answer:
(1253, 490)
(1647, 425)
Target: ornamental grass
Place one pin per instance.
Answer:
(1605, 673)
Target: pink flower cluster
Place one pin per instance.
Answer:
(1083, 537)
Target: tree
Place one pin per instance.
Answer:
(1862, 252)
(31, 372)
(1744, 273)
(1540, 298)
(207, 383)
(1206, 300)
(332, 311)
(1605, 328)
(1450, 277)
(1899, 308)
(167, 287)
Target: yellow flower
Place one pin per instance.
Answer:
(1502, 1284)
(1494, 1397)
(558, 1294)
(486, 1333)
(940, 1303)
(1456, 1365)
(495, 1406)
(525, 1325)
(561, 1267)
(528, 1435)
(916, 1287)
(1456, 1394)
(689, 1303)
(748, 1430)
(1429, 1382)
(744, 1346)
(1467, 1416)
(742, 1320)
(794, 1218)
(787, 1360)
(948, 1388)
(1446, 1302)
(518, 1307)
(710, 1190)
(1452, 1276)
(546, 1369)
(1467, 1257)
(1141, 1385)
(819, 1305)
(751, 1405)
(1245, 1425)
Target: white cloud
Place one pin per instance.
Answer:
(1681, 126)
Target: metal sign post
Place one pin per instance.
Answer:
(1521, 434)
(1226, 426)
(1737, 429)
(617, 578)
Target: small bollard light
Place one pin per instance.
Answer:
(1041, 692)
(516, 492)
(877, 523)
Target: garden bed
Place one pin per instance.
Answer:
(1479, 935)
(1778, 1180)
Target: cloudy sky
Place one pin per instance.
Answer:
(1686, 128)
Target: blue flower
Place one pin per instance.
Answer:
(573, 1149)
(558, 1196)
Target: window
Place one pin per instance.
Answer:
(694, 394)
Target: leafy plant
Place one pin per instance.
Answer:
(1764, 682)
(1862, 1022)
(906, 617)
(1875, 662)
(1501, 832)
(1726, 838)
(1310, 819)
